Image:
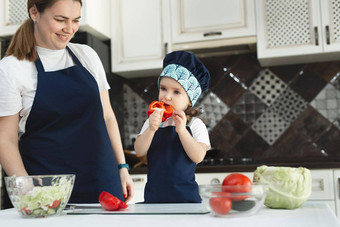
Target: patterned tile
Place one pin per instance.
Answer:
(213, 110)
(267, 86)
(249, 107)
(270, 125)
(135, 114)
(289, 105)
(327, 102)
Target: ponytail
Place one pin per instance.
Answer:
(22, 45)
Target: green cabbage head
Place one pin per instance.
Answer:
(289, 187)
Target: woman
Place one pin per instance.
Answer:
(54, 100)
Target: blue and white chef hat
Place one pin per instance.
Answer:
(188, 71)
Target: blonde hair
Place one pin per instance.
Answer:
(22, 45)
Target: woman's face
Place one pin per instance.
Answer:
(55, 27)
(172, 93)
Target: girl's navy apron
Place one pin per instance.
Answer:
(66, 133)
(171, 173)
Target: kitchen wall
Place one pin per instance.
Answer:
(282, 114)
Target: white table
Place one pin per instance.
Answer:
(310, 214)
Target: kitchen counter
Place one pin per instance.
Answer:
(248, 167)
(310, 214)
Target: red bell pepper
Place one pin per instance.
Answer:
(110, 202)
(160, 105)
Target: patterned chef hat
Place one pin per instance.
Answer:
(187, 70)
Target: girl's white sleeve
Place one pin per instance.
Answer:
(200, 132)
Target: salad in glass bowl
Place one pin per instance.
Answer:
(40, 195)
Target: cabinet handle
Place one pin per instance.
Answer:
(165, 49)
(339, 187)
(138, 179)
(316, 33)
(212, 34)
(215, 181)
(327, 35)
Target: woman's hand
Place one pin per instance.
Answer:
(180, 120)
(127, 184)
(155, 119)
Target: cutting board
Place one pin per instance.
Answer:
(142, 209)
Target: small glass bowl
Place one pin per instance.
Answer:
(40, 195)
(233, 201)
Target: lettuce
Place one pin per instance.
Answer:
(289, 187)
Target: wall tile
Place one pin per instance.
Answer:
(281, 114)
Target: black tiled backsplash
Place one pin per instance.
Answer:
(281, 114)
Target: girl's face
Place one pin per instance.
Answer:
(172, 93)
(55, 27)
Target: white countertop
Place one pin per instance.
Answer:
(311, 214)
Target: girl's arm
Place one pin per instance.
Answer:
(10, 158)
(143, 141)
(113, 130)
(195, 150)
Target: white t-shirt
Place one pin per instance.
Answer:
(18, 79)
(198, 129)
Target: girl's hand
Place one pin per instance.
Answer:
(180, 120)
(155, 119)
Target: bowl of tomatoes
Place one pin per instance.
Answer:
(236, 196)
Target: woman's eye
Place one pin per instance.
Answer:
(59, 20)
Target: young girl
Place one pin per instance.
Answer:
(175, 146)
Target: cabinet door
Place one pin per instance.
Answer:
(286, 28)
(12, 14)
(139, 180)
(337, 191)
(330, 12)
(138, 38)
(200, 20)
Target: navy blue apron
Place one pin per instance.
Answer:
(171, 173)
(66, 133)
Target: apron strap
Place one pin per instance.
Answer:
(39, 66)
(75, 59)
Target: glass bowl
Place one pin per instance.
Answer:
(235, 200)
(40, 195)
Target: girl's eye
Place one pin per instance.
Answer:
(177, 92)
(163, 89)
(59, 20)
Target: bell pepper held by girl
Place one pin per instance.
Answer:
(160, 105)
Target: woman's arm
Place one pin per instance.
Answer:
(113, 130)
(10, 158)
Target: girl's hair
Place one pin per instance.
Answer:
(192, 112)
(22, 45)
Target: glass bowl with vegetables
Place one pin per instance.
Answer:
(236, 196)
(40, 195)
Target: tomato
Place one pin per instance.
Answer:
(238, 183)
(55, 204)
(110, 202)
(220, 205)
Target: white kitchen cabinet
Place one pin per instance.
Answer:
(139, 180)
(291, 32)
(140, 34)
(201, 20)
(95, 17)
(12, 14)
(337, 191)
